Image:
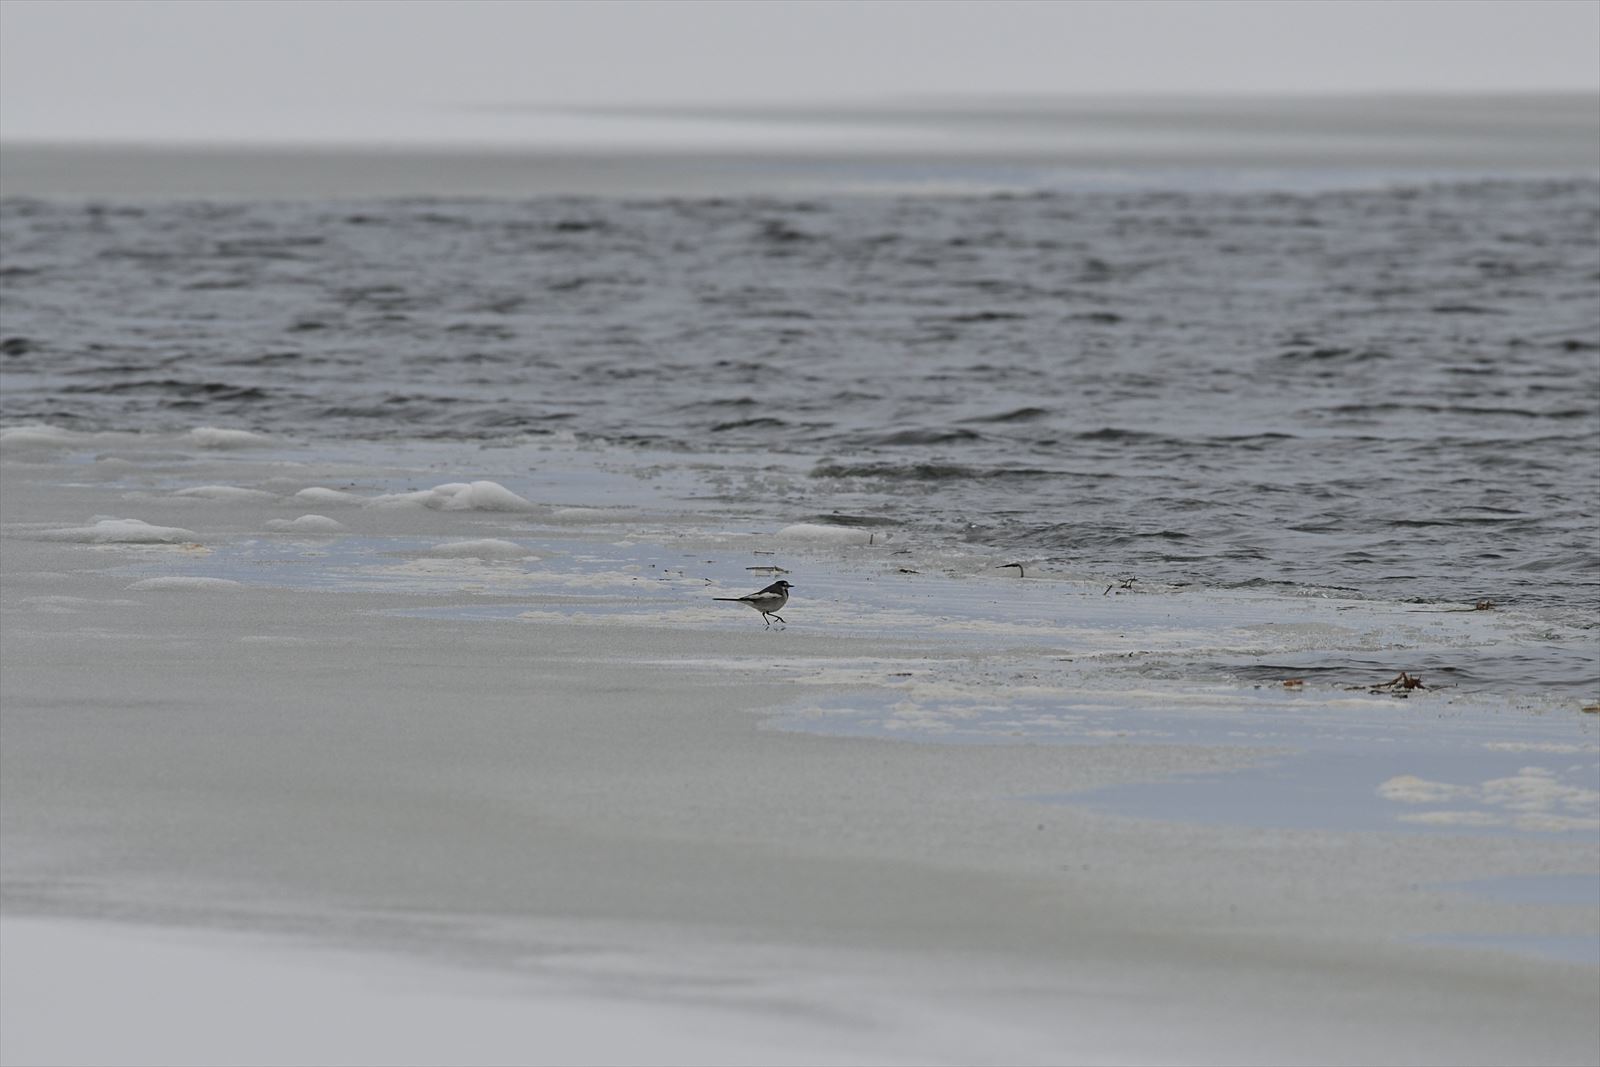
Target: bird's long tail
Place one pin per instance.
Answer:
(732, 598)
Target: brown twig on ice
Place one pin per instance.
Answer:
(1402, 683)
(1020, 572)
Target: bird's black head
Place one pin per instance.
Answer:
(779, 584)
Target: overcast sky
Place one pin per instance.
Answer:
(292, 69)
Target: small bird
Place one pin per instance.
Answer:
(767, 601)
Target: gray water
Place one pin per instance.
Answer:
(1393, 392)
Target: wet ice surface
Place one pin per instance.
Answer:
(1582, 949)
(592, 538)
(1542, 890)
(956, 653)
(1382, 786)
(1534, 889)
(1005, 660)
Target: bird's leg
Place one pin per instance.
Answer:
(780, 618)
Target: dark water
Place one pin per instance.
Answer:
(1394, 392)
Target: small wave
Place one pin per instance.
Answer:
(1113, 433)
(1462, 520)
(926, 472)
(780, 232)
(721, 402)
(174, 387)
(980, 316)
(1392, 407)
(1019, 415)
(254, 248)
(265, 359)
(923, 437)
(836, 519)
(762, 422)
(1334, 354)
(1079, 536)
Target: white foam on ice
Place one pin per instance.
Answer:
(457, 496)
(481, 496)
(119, 531)
(175, 583)
(306, 524)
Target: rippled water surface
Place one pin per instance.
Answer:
(1394, 392)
